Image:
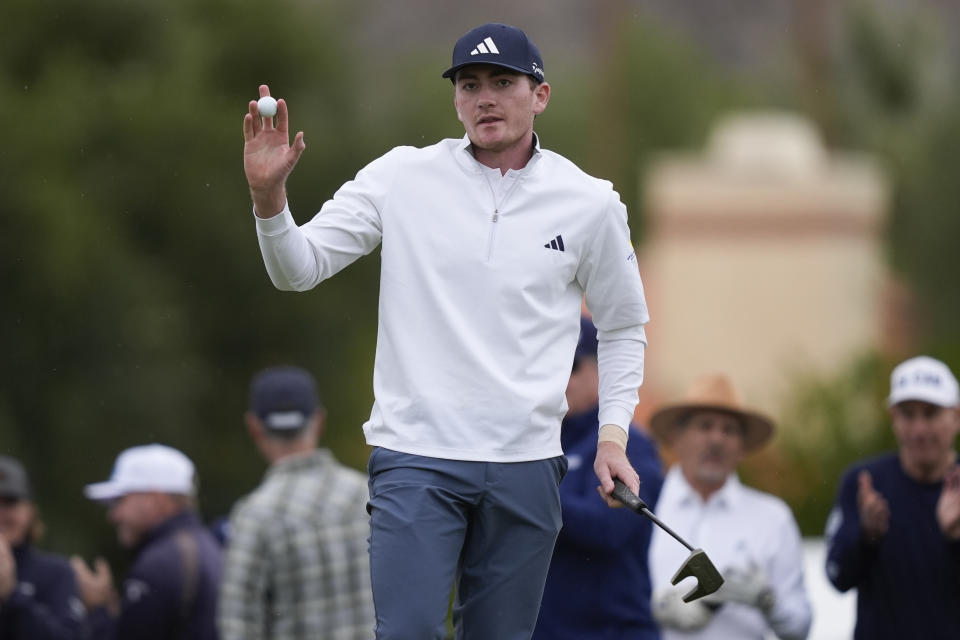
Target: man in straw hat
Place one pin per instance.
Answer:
(750, 535)
(894, 533)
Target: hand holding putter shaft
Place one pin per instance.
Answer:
(697, 563)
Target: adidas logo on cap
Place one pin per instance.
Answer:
(487, 46)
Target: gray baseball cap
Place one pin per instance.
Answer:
(13, 479)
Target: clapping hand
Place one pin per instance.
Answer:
(670, 611)
(95, 587)
(8, 570)
(748, 586)
(948, 506)
(873, 507)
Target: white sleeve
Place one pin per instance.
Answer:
(347, 227)
(791, 615)
(614, 292)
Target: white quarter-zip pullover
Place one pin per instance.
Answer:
(481, 282)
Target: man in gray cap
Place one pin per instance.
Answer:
(489, 246)
(296, 566)
(38, 595)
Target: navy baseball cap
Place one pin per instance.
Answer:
(284, 398)
(587, 344)
(498, 44)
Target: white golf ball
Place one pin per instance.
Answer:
(267, 106)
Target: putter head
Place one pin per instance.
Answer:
(699, 566)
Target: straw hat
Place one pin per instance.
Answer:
(713, 392)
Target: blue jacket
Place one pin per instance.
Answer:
(156, 601)
(44, 605)
(908, 583)
(598, 585)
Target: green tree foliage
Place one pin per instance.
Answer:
(135, 301)
(894, 79)
(826, 424)
(653, 92)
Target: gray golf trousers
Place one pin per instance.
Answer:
(488, 526)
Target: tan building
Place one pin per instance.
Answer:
(764, 258)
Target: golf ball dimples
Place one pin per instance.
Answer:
(267, 106)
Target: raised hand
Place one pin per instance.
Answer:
(873, 507)
(948, 506)
(268, 156)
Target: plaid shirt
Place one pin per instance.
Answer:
(297, 565)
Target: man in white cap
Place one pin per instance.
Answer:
(751, 536)
(894, 531)
(170, 591)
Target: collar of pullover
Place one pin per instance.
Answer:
(467, 161)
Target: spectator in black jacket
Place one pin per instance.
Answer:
(170, 592)
(38, 595)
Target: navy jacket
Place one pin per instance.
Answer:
(155, 604)
(598, 585)
(908, 583)
(44, 605)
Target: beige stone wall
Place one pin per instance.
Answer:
(764, 259)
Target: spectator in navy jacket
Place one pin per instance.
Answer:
(170, 592)
(894, 533)
(598, 585)
(38, 595)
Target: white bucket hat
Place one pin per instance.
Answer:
(152, 467)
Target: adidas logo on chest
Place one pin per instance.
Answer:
(556, 244)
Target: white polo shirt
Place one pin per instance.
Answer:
(737, 527)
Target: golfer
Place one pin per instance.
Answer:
(489, 244)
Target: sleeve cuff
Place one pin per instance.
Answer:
(275, 225)
(616, 415)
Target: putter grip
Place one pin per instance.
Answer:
(622, 493)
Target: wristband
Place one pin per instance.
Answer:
(613, 433)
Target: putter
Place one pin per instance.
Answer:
(697, 563)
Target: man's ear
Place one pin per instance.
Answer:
(541, 96)
(254, 425)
